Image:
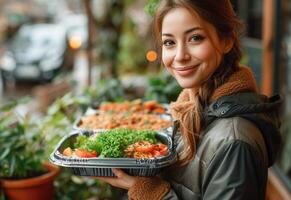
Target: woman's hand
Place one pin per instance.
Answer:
(122, 180)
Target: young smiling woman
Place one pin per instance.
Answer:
(229, 134)
(191, 49)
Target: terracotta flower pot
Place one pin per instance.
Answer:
(37, 188)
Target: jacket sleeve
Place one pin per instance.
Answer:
(235, 172)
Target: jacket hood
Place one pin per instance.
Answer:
(259, 109)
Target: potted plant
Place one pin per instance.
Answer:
(24, 174)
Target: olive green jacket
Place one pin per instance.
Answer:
(235, 150)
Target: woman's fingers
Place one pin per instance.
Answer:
(119, 173)
(122, 180)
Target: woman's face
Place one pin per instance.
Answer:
(191, 49)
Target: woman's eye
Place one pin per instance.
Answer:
(196, 38)
(168, 43)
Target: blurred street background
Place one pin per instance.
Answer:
(51, 48)
(43, 41)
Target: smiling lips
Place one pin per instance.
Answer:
(184, 71)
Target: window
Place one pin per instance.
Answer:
(250, 11)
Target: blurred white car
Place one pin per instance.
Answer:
(37, 53)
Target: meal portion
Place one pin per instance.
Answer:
(136, 121)
(131, 131)
(135, 115)
(118, 143)
(135, 106)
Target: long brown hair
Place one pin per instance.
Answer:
(220, 14)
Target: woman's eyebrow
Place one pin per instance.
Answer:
(192, 29)
(185, 32)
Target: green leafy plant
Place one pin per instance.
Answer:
(71, 187)
(162, 88)
(21, 151)
(151, 6)
(109, 89)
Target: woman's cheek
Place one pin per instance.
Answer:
(203, 53)
(167, 59)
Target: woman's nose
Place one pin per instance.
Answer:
(182, 53)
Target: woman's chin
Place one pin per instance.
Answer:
(186, 84)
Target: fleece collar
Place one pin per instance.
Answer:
(240, 81)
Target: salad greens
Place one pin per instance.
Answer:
(113, 142)
(88, 143)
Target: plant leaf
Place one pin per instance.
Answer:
(5, 153)
(12, 166)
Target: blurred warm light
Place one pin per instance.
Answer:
(151, 56)
(75, 42)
